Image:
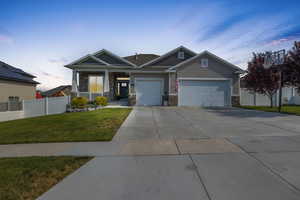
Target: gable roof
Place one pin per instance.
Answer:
(86, 57)
(113, 55)
(167, 54)
(236, 68)
(53, 91)
(9, 72)
(140, 59)
(103, 57)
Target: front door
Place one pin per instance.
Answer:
(123, 89)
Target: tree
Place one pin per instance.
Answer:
(261, 80)
(292, 69)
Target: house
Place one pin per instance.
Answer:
(15, 84)
(63, 90)
(179, 77)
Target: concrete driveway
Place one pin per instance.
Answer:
(189, 153)
(197, 123)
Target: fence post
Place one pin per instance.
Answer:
(254, 96)
(8, 105)
(23, 105)
(46, 106)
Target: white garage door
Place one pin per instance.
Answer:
(148, 92)
(204, 93)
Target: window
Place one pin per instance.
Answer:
(12, 98)
(180, 55)
(96, 84)
(204, 62)
(124, 84)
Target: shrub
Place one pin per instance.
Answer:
(102, 101)
(79, 102)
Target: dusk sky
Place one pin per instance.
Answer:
(41, 36)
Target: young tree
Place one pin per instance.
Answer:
(261, 80)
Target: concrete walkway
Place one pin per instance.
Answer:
(120, 148)
(184, 153)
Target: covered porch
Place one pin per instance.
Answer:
(90, 84)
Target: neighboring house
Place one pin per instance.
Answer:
(15, 84)
(179, 77)
(63, 90)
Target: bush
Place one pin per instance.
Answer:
(79, 102)
(101, 101)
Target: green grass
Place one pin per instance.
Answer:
(28, 178)
(295, 110)
(99, 125)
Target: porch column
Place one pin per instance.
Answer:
(74, 83)
(106, 81)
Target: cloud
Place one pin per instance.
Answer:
(6, 39)
(282, 41)
(50, 80)
(61, 60)
(5, 36)
(235, 33)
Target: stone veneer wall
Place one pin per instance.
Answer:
(235, 100)
(111, 95)
(131, 100)
(173, 100)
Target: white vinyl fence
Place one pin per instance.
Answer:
(38, 107)
(45, 106)
(255, 99)
(289, 96)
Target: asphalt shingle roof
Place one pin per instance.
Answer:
(53, 91)
(8, 72)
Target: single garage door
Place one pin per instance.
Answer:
(148, 92)
(204, 93)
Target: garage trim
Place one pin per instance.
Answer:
(207, 79)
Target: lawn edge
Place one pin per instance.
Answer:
(284, 113)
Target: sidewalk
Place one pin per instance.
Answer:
(120, 148)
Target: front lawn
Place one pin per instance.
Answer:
(98, 125)
(28, 178)
(295, 110)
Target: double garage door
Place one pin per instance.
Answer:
(204, 93)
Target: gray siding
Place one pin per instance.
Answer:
(215, 69)
(111, 60)
(172, 59)
(89, 61)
